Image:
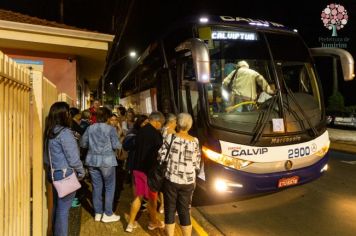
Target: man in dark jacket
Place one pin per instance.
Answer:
(148, 142)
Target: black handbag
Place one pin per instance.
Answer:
(156, 176)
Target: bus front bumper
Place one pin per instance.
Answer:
(227, 181)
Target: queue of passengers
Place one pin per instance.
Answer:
(108, 140)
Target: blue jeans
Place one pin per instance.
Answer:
(103, 176)
(61, 207)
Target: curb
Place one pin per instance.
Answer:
(203, 226)
(348, 147)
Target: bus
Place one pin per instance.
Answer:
(249, 147)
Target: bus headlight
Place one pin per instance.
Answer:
(225, 160)
(220, 185)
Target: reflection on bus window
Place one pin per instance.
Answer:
(296, 78)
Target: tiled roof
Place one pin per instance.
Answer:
(21, 18)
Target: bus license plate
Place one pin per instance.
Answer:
(288, 181)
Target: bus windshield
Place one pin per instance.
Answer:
(244, 76)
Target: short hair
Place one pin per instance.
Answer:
(73, 111)
(170, 117)
(156, 116)
(103, 114)
(184, 121)
(86, 114)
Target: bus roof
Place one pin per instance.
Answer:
(240, 21)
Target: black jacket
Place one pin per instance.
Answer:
(148, 142)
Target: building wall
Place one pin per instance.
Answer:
(59, 69)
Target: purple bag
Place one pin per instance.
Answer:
(67, 185)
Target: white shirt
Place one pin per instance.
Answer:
(183, 159)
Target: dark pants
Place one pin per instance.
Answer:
(177, 197)
(121, 175)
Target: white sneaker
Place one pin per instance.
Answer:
(112, 218)
(131, 227)
(152, 226)
(98, 217)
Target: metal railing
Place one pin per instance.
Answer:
(15, 163)
(25, 99)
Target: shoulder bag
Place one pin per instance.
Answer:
(67, 185)
(156, 177)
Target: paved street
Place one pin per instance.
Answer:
(326, 206)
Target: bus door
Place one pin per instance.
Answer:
(188, 91)
(335, 66)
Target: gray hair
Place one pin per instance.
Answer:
(156, 116)
(184, 121)
(170, 117)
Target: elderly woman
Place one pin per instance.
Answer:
(183, 155)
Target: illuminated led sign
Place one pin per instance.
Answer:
(233, 35)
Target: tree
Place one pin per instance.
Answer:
(334, 17)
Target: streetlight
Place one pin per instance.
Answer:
(131, 54)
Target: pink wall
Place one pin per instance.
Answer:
(56, 68)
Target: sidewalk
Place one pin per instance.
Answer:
(343, 140)
(81, 221)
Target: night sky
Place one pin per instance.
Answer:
(149, 17)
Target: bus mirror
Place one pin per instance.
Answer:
(201, 60)
(346, 59)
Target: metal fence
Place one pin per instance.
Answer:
(25, 99)
(15, 163)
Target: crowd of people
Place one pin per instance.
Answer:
(104, 144)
